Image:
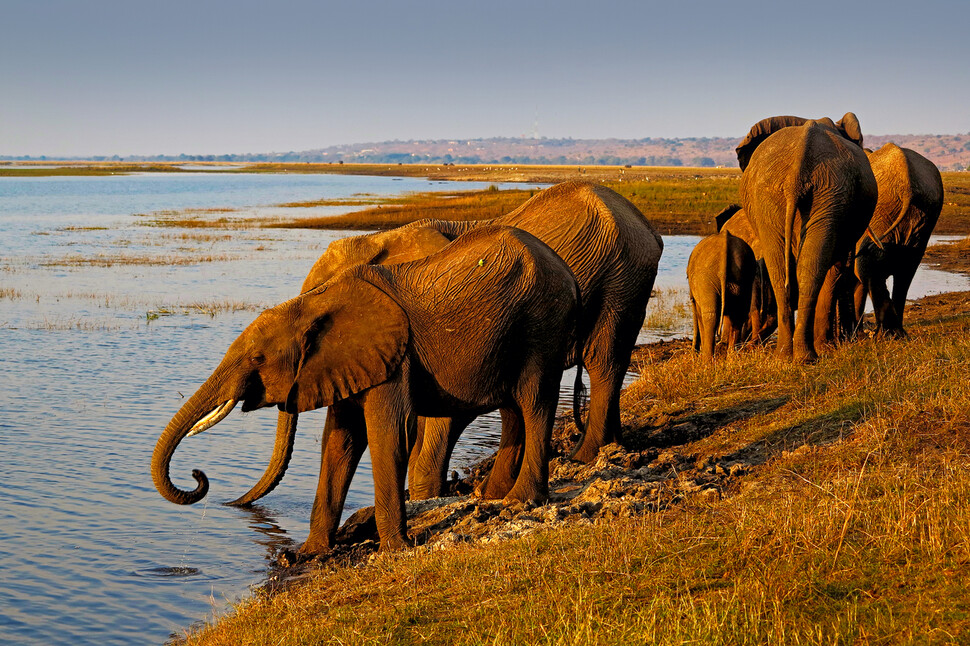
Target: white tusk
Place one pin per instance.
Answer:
(212, 418)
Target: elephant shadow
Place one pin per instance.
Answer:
(667, 432)
(818, 431)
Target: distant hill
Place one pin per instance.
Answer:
(949, 152)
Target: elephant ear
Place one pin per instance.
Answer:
(721, 218)
(355, 338)
(849, 125)
(761, 131)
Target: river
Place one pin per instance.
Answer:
(106, 324)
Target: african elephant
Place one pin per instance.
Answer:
(734, 220)
(722, 273)
(809, 193)
(910, 201)
(613, 252)
(488, 322)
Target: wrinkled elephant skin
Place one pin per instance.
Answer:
(486, 323)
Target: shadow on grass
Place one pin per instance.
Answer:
(817, 431)
(696, 426)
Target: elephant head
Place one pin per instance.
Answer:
(721, 218)
(848, 126)
(308, 352)
(403, 244)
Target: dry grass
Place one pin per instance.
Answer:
(209, 308)
(852, 525)
(83, 324)
(10, 293)
(108, 260)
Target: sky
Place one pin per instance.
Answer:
(139, 77)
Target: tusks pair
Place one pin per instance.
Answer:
(212, 418)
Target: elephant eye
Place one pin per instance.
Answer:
(257, 359)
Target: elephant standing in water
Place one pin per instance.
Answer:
(809, 193)
(724, 292)
(910, 201)
(488, 322)
(613, 252)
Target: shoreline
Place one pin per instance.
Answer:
(701, 444)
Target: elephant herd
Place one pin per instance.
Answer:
(821, 226)
(407, 335)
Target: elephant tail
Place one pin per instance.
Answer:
(903, 212)
(791, 206)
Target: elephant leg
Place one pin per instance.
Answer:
(508, 460)
(814, 269)
(344, 441)
(391, 428)
(604, 412)
(607, 357)
(901, 284)
(428, 468)
(882, 304)
(415, 452)
(824, 332)
(697, 324)
(709, 321)
(859, 296)
(532, 483)
(785, 320)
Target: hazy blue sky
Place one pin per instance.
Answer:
(93, 77)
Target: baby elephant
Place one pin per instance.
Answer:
(724, 291)
(486, 323)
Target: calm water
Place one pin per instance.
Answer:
(100, 340)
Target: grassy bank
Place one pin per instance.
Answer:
(847, 524)
(676, 201)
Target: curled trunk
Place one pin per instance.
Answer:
(282, 451)
(198, 406)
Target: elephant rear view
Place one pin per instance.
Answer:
(488, 322)
(809, 193)
(722, 275)
(910, 201)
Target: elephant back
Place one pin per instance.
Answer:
(910, 195)
(496, 295)
(848, 128)
(597, 231)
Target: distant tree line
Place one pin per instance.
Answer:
(403, 158)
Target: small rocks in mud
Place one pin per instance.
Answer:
(620, 483)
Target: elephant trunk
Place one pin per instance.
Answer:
(282, 452)
(201, 406)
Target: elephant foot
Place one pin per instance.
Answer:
(895, 333)
(523, 494)
(585, 453)
(806, 358)
(494, 488)
(313, 547)
(395, 543)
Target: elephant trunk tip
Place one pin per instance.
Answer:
(181, 497)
